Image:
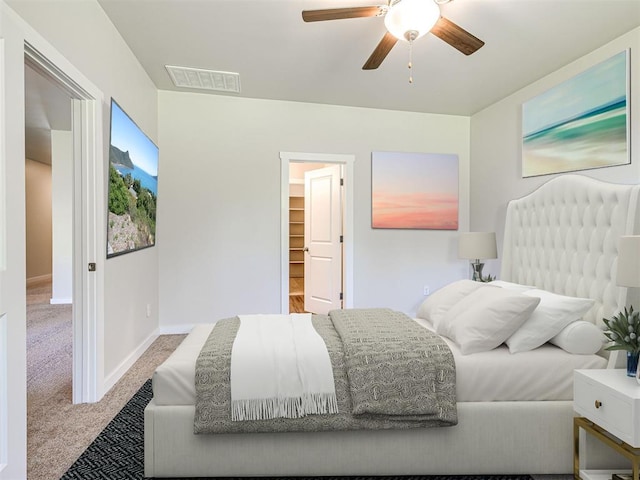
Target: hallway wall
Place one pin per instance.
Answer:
(38, 219)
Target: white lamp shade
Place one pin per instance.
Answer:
(629, 261)
(411, 16)
(477, 245)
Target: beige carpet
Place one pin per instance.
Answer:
(58, 431)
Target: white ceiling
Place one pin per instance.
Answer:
(47, 107)
(278, 56)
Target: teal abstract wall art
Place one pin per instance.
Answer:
(580, 124)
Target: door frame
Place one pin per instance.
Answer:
(88, 217)
(347, 161)
(4, 353)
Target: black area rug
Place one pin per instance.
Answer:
(118, 452)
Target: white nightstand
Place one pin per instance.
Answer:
(609, 404)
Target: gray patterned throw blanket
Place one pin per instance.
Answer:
(389, 372)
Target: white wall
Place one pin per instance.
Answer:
(496, 136)
(38, 218)
(103, 57)
(219, 208)
(62, 216)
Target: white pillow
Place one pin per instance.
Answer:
(485, 318)
(439, 302)
(553, 314)
(581, 337)
(516, 287)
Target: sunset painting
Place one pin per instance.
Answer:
(414, 190)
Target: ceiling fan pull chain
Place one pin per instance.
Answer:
(410, 61)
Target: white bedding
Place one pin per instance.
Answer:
(545, 373)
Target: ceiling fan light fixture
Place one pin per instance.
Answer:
(405, 17)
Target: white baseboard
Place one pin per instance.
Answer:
(39, 278)
(175, 329)
(111, 379)
(179, 329)
(60, 301)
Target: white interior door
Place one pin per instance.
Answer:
(322, 231)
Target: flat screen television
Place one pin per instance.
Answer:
(133, 186)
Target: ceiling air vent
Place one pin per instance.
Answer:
(204, 79)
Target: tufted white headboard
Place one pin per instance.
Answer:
(563, 237)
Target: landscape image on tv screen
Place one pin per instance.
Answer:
(133, 186)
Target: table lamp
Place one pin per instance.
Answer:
(476, 246)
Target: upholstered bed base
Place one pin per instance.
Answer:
(490, 438)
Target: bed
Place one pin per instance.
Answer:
(562, 238)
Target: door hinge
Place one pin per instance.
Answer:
(342, 182)
(341, 238)
(340, 295)
(92, 266)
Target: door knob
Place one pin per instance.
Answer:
(305, 249)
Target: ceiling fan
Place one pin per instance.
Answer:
(405, 20)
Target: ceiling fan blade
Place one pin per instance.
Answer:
(340, 13)
(381, 51)
(456, 36)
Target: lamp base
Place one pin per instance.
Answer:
(477, 270)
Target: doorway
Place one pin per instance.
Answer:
(49, 234)
(83, 184)
(299, 212)
(293, 166)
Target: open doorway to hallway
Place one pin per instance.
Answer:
(49, 248)
(84, 184)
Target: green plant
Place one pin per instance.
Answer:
(624, 331)
(118, 194)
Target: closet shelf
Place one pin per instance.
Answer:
(296, 237)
